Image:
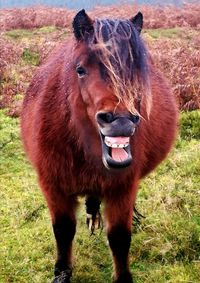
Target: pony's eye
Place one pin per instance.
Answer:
(80, 71)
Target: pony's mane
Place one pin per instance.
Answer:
(125, 60)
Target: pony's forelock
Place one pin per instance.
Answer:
(121, 51)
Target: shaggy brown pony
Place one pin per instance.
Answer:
(97, 117)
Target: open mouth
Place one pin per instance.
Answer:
(116, 152)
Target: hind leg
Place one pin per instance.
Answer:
(118, 213)
(93, 220)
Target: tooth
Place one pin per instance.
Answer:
(121, 145)
(114, 145)
(107, 143)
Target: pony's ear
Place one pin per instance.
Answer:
(138, 21)
(82, 25)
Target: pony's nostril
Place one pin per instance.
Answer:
(105, 117)
(135, 119)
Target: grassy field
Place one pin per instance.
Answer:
(165, 248)
(174, 50)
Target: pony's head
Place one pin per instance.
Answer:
(113, 78)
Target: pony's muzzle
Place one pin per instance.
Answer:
(114, 125)
(115, 132)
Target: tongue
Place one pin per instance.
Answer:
(119, 154)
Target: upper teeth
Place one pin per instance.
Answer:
(114, 145)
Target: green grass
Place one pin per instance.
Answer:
(165, 248)
(31, 57)
(19, 33)
(190, 125)
(171, 33)
(45, 29)
(164, 32)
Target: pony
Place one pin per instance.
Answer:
(97, 117)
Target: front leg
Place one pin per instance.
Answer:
(119, 222)
(64, 227)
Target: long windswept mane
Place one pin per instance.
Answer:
(122, 53)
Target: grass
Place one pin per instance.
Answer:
(165, 248)
(190, 125)
(31, 57)
(22, 52)
(174, 50)
(18, 34)
(45, 29)
(165, 33)
(172, 34)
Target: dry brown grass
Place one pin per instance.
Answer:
(179, 59)
(21, 52)
(9, 53)
(175, 51)
(34, 17)
(155, 17)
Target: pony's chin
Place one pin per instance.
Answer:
(109, 162)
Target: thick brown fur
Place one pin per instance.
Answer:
(61, 138)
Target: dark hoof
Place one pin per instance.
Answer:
(124, 277)
(63, 277)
